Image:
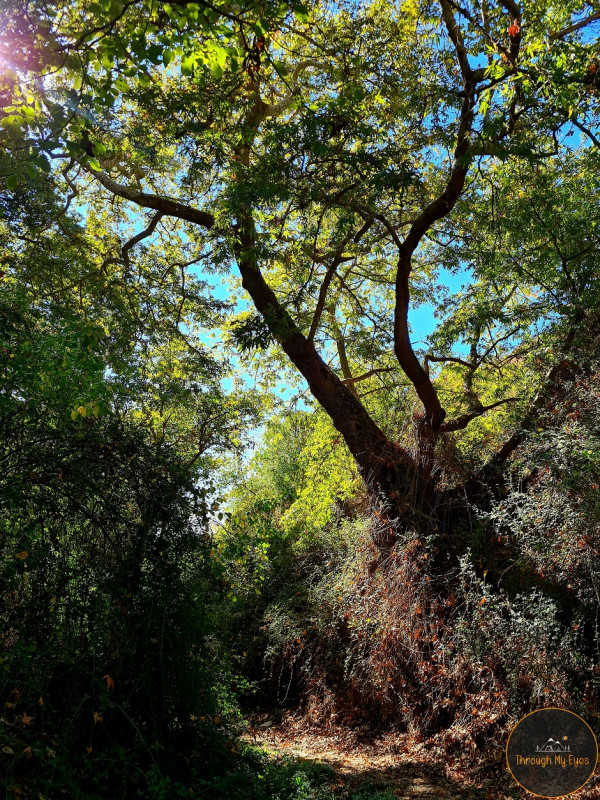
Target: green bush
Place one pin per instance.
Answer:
(114, 681)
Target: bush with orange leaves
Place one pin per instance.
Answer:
(450, 657)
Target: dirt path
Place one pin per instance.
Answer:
(394, 764)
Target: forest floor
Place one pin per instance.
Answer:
(391, 765)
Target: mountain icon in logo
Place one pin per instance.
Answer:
(553, 746)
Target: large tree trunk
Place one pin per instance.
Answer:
(401, 486)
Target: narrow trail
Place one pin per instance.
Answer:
(393, 765)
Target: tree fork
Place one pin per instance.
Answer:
(390, 473)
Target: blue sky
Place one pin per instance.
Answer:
(422, 320)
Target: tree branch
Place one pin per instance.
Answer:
(515, 40)
(361, 433)
(340, 342)
(461, 422)
(166, 205)
(369, 374)
(275, 109)
(437, 209)
(455, 359)
(456, 37)
(537, 402)
(512, 8)
(337, 259)
(479, 74)
(575, 27)
(143, 235)
(482, 358)
(586, 130)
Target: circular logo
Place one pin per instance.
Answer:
(552, 752)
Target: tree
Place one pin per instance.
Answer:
(111, 425)
(337, 157)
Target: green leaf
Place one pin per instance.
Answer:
(301, 12)
(187, 65)
(282, 68)
(12, 182)
(154, 53)
(221, 56)
(216, 70)
(30, 169)
(43, 163)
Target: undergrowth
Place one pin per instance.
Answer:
(450, 647)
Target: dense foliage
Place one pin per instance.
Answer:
(303, 146)
(110, 602)
(206, 206)
(452, 655)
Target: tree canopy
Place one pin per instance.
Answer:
(334, 159)
(204, 204)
